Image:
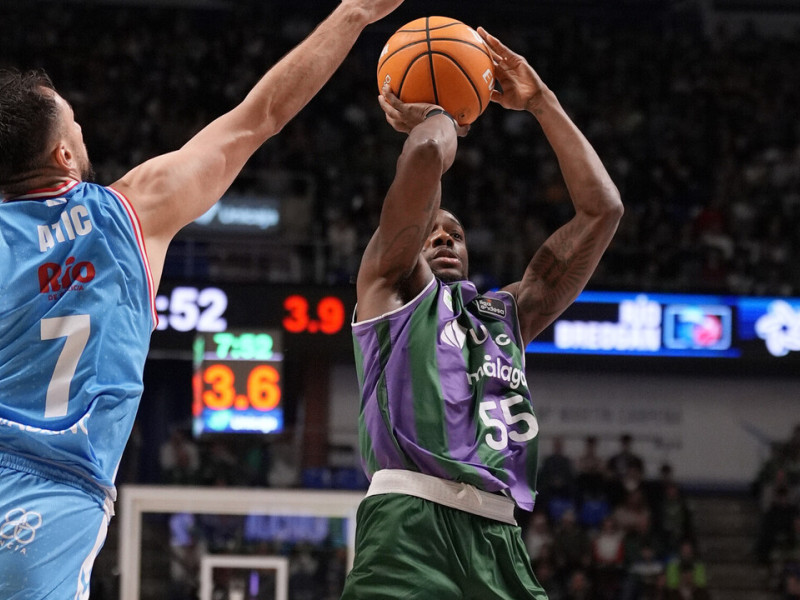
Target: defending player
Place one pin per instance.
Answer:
(447, 430)
(79, 266)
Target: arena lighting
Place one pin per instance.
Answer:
(240, 214)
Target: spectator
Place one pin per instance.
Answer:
(686, 565)
(556, 481)
(642, 534)
(776, 526)
(785, 556)
(608, 559)
(594, 508)
(284, 465)
(546, 574)
(774, 474)
(572, 547)
(793, 464)
(179, 459)
(538, 536)
(625, 459)
(687, 588)
(673, 518)
(644, 577)
(579, 586)
(790, 584)
(591, 468)
(656, 488)
(220, 466)
(634, 513)
(592, 486)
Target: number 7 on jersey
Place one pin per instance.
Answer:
(76, 329)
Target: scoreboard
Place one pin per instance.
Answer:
(252, 348)
(237, 383)
(310, 319)
(704, 333)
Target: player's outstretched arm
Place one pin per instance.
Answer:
(563, 265)
(170, 191)
(391, 270)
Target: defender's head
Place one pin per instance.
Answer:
(38, 132)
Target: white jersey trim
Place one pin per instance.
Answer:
(355, 323)
(137, 230)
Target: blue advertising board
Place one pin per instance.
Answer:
(676, 325)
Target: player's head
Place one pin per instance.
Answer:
(38, 132)
(445, 250)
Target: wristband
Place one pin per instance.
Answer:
(440, 111)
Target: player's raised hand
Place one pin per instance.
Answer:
(520, 84)
(374, 9)
(404, 116)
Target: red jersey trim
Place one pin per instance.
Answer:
(137, 230)
(52, 192)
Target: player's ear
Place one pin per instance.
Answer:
(62, 156)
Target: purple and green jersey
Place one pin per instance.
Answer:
(443, 391)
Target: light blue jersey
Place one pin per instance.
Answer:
(76, 314)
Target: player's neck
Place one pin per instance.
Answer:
(43, 179)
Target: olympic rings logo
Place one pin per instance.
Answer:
(20, 526)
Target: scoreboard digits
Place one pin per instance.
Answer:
(238, 382)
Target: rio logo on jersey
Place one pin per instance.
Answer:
(55, 279)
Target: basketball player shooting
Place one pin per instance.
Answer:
(449, 436)
(80, 264)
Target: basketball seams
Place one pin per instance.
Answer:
(464, 71)
(432, 71)
(439, 60)
(434, 28)
(407, 71)
(428, 28)
(415, 42)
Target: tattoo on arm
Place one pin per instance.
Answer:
(407, 240)
(560, 270)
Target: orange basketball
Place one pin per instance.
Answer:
(442, 61)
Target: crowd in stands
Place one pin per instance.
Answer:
(777, 489)
(697, 127)
(601, 530)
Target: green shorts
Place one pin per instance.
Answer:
(413, 549)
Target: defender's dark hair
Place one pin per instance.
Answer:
(28, 118)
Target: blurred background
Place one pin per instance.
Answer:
(667, 395)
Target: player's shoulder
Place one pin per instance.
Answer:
(88, 191)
